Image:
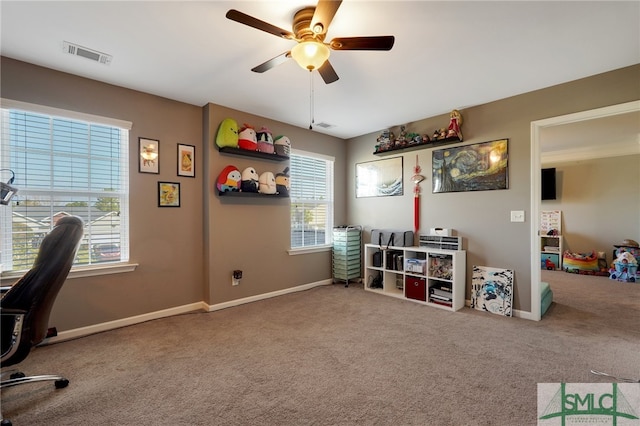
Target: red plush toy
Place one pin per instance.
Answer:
(247, 138)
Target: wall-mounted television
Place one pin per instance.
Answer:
(548, 188)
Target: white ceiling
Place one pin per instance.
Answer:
(447, 54)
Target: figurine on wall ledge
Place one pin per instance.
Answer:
(454, 125)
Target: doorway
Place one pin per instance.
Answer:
(538, 130)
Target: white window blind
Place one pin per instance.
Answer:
(311, 196)
(64, 166)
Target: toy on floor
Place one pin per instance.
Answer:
(624, 268)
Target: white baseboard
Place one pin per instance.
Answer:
(192, 307)
(516, 312)
(250, 299)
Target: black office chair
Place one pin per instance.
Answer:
(26, 305)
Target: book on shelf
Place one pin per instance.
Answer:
(441, 286)
(441, 298)
(442, 293)
(441, 302)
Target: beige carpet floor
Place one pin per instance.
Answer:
(336, 356)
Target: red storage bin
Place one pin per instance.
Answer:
(415, 288)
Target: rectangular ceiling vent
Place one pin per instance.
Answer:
(324, 125)
(94, 55)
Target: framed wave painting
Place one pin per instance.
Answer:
(492, 290)
(379, 178)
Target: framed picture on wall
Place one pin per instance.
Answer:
(379, 178)
(186, 160)
(168, 194)
(477, 167)
(149, 155)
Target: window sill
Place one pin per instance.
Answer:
(307, 250)
(83, 271)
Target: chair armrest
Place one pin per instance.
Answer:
(12, 312)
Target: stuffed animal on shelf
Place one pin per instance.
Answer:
(249, 180)
(229, 179)
(267, 183)
(247, 138)
(227, 133)
(265, 141)
(282, 182)
(282, 145)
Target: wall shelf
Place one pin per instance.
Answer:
(255, 154)
(249, 194)
(414, 146)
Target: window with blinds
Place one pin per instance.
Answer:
(311, 196)
(64, 166)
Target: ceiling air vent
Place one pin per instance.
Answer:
(94, 55)
(324, 125)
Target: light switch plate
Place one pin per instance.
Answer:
(517, 215)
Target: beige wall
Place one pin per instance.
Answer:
(600, 202)
(252, 234)
(483, 218)
(186, 255)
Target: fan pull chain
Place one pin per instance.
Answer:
(311, 113)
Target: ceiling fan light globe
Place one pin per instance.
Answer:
(310, 55)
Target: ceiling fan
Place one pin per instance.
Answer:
(310, 26)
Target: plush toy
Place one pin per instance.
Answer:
(282, 145)
(247, 138)
(229, 179)
(265, 141)
(282, 182)
(249, 180)
(267, 183)
(624, 268)
(227, 133)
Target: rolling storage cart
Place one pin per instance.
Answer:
(346, 253)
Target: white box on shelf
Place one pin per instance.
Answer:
(441, 232)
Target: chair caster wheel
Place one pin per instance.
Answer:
(17, 375)
(63, 383)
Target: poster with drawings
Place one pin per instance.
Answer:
(550, 220)
(492, 290)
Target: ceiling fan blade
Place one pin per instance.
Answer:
(245, 19)
(363, 43)
(327, 73)
(325, 11)
(266, 66)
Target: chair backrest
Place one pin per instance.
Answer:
(37, 290)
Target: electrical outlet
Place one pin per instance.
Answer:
(517, 215)
(236, 276)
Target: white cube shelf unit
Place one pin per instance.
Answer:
(429, 276)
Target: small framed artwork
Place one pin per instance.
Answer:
(168, 194)
(186, 160)
(379, 178)
(149, 152)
